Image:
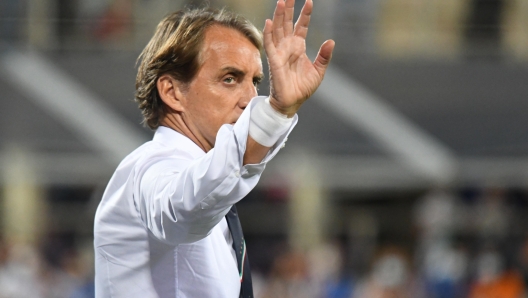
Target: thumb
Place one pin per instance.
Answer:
(324, 56)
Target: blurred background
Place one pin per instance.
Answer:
(407, 175)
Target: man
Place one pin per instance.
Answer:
(165, 226)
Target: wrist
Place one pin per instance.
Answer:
(267, 124)
(288, 112)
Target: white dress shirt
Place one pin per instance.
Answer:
(160, 229)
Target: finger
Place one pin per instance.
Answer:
(301, 26)
(324, 56)
(288, 17)
(278, 22)
(269, 46)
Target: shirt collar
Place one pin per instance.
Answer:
(171, 138)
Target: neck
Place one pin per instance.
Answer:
(176, 122)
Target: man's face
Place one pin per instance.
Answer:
(224, 85)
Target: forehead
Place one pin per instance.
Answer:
(228, 46)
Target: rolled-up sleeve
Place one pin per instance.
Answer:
(180, 200)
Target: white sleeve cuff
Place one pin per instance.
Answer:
(267, 125)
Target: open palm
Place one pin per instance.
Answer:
(293, 77)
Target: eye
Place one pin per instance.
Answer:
(256, 81)
(229, 80)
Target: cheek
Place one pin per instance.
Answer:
(198, 100)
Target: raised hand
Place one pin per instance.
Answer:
(293, 77)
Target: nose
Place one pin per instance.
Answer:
(249, 92)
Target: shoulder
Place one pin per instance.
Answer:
(159, 158)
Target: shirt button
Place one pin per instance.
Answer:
(237, 174)
(284, 144)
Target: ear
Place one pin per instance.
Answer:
(170, 92)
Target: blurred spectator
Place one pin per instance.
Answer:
(85, 273)
(61, 272)
(289, 277)
(493, 281)
(59, 283)
(437, 218)
(436, 215)
(492, 215)
(25, 273)
(445, 271)
(19, 272)
(390, 277)
(327, 271)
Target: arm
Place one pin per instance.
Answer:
(294, 78)
(255, 152)
(180, 199)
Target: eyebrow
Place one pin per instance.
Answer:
(233, 70)
(239, 73)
